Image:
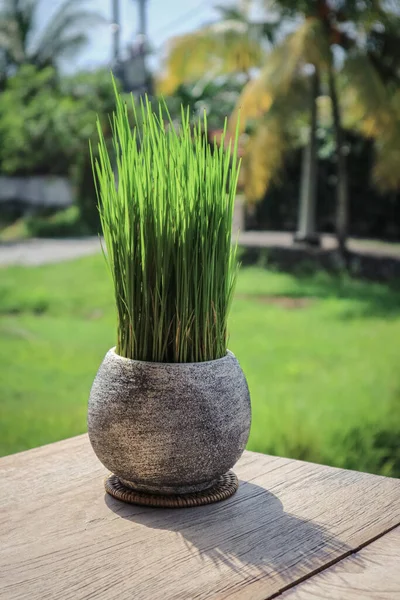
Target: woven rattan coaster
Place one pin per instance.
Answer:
(226, 487)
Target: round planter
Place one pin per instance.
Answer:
(169, 428)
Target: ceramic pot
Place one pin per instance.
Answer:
(169, 428)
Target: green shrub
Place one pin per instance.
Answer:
(372, 448)
(65, 223)
(45, 122)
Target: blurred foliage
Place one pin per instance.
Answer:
(41, 129)
(45, 125)
(64, 223)
(217, 98)
(62, 37)
(367, 82)
(372, 106)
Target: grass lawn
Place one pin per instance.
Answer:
(321, 355)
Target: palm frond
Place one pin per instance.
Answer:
(222, 48)
(386, 171)
(307, 45)
(65, 32)
(324, 111)
(70, 20)
(13, 36)
(66, 46)
(372, 108)
(278, 129)
(263, 159)
(282, 79)
(365, 97)
(254, 101)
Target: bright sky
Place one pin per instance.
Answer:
(165, 19)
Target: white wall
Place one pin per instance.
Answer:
(37, 191)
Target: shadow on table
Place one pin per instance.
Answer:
(250, 534)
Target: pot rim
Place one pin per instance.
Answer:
(113, 353)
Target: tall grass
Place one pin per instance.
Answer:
(166, 203)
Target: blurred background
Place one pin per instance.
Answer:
(316, 318)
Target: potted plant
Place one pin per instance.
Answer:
(169, 409)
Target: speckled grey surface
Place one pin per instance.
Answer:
(169, 428)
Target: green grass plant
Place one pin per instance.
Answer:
(166, 202)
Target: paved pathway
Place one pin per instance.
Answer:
(284, 239)
(42, 251)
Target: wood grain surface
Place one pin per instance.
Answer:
(61, 537)
(370, 574)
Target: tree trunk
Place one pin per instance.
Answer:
(306, 228)
(342, 200)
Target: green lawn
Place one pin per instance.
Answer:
(321, 354)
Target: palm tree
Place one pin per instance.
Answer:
(63, 36)
(290, 80)
(323, 26)
(277, 106)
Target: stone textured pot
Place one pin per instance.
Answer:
(169, 428)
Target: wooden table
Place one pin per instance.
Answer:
(309, 531)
